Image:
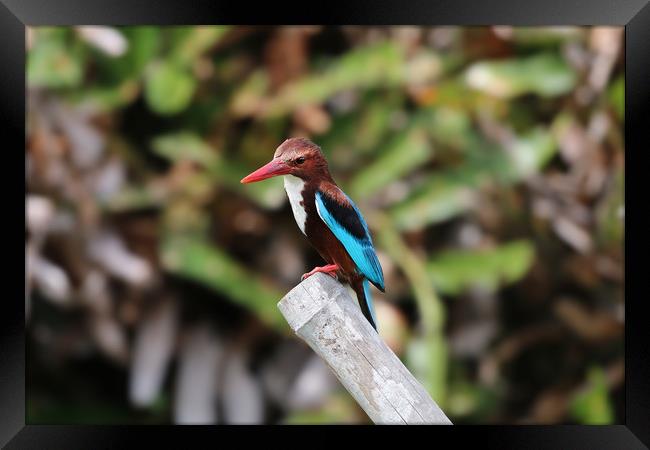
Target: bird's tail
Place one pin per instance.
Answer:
(362, 289)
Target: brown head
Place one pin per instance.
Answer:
(299, 157)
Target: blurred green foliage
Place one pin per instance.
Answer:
(450, 128)
(456, 270)
(592, 406)
(547, 75)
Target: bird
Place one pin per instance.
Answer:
(330, 220)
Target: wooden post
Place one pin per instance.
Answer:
(327, 318)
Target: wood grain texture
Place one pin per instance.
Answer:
(323, 314)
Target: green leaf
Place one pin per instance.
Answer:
(616, 95)
(451, 127)
(442, 197)
(360, 131)
(402, 154)
(527, 155)
(185, 145)
(375, 65)
(374, 123)
(169, 88)
(52, 63)
(117, 80)
(457, 270)
(194, 258)
(338, 408)
(143, 45)
(144, 42)
(191, 42)
(610, 217)
(593, 406)
(108, 98)
(546, 36)
(437, 205)
(547, 75)
(453, 191)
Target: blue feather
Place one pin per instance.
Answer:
(358, 245)
(366, 293)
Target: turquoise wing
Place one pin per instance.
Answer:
(349, 227)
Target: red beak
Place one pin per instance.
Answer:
(274, 168)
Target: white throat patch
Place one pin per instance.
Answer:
(294, 186)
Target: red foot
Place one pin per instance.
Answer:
(330, 269)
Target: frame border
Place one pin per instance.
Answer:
(633, 14)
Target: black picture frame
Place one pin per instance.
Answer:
(633, 14)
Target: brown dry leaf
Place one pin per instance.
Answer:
(606, 42)
(595, 326)
(549, 407)
(394, 328)
(312, 118)
(286, 54)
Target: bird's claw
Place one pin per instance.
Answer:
(329, 270)
(307, 275)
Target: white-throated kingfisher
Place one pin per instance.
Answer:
(328, 217)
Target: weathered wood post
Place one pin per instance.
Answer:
(327, 318)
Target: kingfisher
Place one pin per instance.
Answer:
(328, 218)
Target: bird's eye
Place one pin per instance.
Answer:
(300, 160)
